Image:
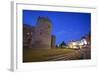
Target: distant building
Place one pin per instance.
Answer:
(78, 44)
(40, 35)
(88, 39)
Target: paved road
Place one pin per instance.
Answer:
(69, 56)
(83, 53)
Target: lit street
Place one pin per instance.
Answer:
(83, 53)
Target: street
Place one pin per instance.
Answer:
(83, 53)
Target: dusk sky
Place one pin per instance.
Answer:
(66, 26)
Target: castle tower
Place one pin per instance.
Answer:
(53, 41)
(42, 33)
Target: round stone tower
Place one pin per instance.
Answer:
(42, 34)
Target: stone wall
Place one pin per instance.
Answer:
(27, 35)
(53, 41)
(40, 36)
(42, 33)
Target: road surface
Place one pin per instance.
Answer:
(83, 53)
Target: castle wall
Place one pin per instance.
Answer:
(27, 35)
(42, 35)
(39, 36)
(53, 41)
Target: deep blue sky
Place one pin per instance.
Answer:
(66, 26)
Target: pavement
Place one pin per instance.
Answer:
(83, 53)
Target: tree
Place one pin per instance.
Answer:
(63, 44)
(57, 46)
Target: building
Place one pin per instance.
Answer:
(78, 44)
(53, 41)
(40, 36)
(27, 35)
